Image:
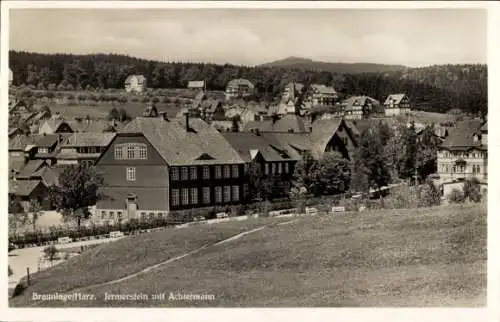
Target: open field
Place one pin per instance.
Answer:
(429, 117)
(101, 110)
(419, 257)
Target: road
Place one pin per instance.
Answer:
(20, 259)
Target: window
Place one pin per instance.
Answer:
(119, 214)
(193, 175)
(143, 216)
(206, 195)
(245, 168)
(236, 193)
(235, 171)
(103, 214)
(185, 196)
(134, 151)
(184, 173)
(246, 190)
(175, 173)
(478, 170)
(280, 169)
(287, 168)
(206, 172)
(43, 150)
(175, 197)
(194, 196)
(227, 171)
(227, 193)
(130, 152)
(218, 194)
(143, 152)
(218, 172)
(273, 168)
(159, 216)
(130, 174)
(266, 167)
(151, 216)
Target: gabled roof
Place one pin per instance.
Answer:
(180, 146)
(462, 135)
(322, 132)
(30, 168)
(247, 144)
(48, 140)
(323, 89)
(240, 82)
(395, 98)
(55, 123)
(359, 101)
(89, 139)
(196, 84)
(19, 142)
(23, 188)
(139, 78)
(286, 124)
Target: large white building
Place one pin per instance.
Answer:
(397, 104)
(135, 83)
(463, 155)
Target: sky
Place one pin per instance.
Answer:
(411, 37)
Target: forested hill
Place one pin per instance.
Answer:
(343, 68)
(434, 88)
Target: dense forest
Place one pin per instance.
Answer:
(435, 88)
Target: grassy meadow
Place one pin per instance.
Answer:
(410, 257)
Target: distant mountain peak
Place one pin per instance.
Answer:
(351, 68)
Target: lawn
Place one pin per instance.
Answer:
(132, 254)
(420, 257)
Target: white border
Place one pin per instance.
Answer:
(361, 314)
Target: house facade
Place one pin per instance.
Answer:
(397, 104)
(53, 126)
(135, 83)
(463, 155)
(157, 165)
(358, 107)
(197, 85)
(239, 88)
(323, 95)
(83, 148)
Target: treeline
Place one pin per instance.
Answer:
(435, 88)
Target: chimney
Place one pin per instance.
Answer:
(186, 115)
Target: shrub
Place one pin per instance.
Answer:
(50, 252)
(429, 194)
(19, 289)
(456, 196)
(472, 190)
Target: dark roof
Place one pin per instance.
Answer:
(19, 142)
(248, 144)
(88, 139)
(354, 129)
(15, 164)
(30, 168)
(295, 143)
(23, 188)
(47, 140)
(286, 124)
(359, 101)
(180, 146)
(240, 82)
(147, 198)
(322, 133)
(462, 135)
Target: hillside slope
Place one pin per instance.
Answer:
(415, 257)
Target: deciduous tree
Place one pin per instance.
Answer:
(78, 189)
